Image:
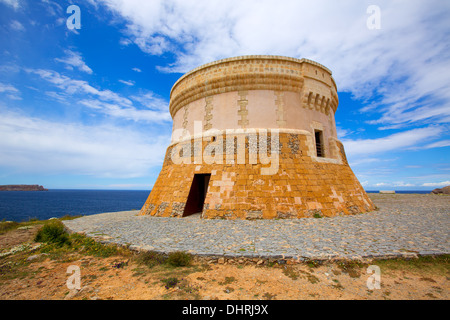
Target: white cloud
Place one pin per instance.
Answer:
(72, 86)
(395, 141)
(53, 8)
(128, 83)
(392, 184)
(152, 101)
(127, 112)
(341, 132)
(14, 97)
(403, 184)
(16, 26)
(15, 4)
(51, 147)
(437, 184)
(11, 92)
(57, 96)
(403, 63)
(437, 144)
(137, 70)
(381, 184)
(125, 42)
(107, 102)
(8, 88)
(74, 60)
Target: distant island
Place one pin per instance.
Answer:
(22, 187)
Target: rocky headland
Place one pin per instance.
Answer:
(444, 190)
(22, 187)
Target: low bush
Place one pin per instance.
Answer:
(179, 259)
(174, 259)
(53, 232)
(151, 258)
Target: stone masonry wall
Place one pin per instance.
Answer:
(301, 187)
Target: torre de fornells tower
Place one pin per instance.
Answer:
(254, 137)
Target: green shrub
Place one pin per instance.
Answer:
(151, 258)
(53, 232)
(179, 259)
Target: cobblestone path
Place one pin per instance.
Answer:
(403, 225)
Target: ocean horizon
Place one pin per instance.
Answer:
(55, 203)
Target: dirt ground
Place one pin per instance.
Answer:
(18, 236)
(30, 275)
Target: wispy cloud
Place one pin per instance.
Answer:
(7, 88)
(16, 26)
(72, 86)
(437, 144)
(403, 184)
(437, 184)
(53, 8)
(397, 141)
(127, 112)
(380, 184)
(107, 102)
(15, 4)
(151, 101)
(128, 83)
(61, 97)
(74, 60)
(35, 145)
(10, 91)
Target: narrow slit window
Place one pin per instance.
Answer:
(319, 143)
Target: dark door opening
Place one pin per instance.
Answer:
(197, 194)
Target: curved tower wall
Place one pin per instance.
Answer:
(259, 134)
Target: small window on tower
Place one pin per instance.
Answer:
(319, 143)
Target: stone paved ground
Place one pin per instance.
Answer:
(403, 225)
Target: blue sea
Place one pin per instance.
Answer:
(404, 192)
(25, 205)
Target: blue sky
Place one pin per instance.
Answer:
(88, 108)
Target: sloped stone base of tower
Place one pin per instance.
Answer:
(303, 185)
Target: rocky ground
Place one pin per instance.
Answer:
(30, 270)
(30, 275)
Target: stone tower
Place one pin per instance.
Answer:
(254, 137)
